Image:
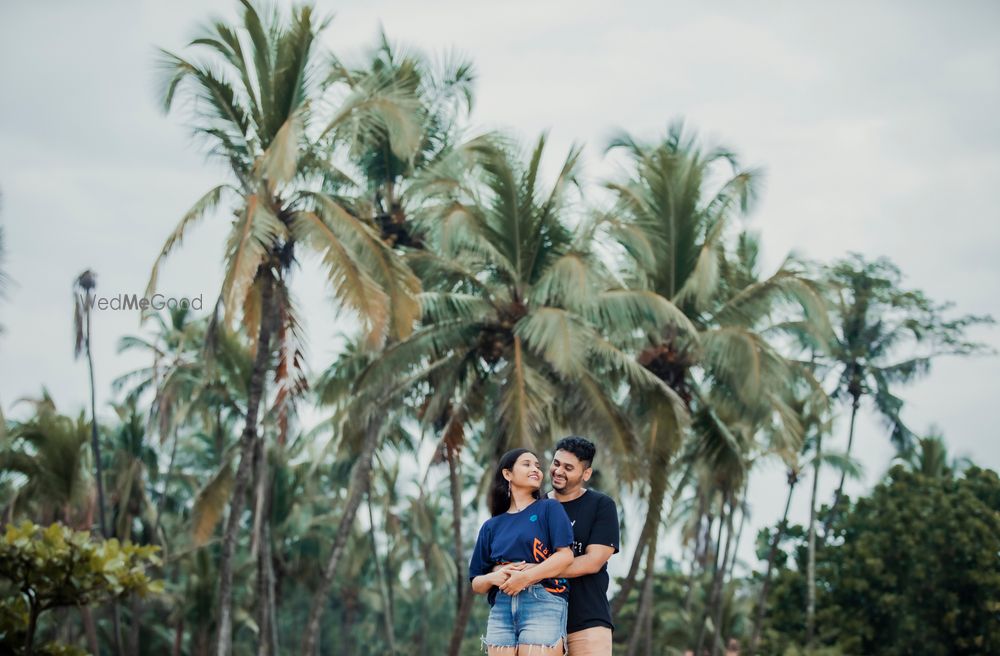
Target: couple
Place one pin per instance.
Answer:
(543, 561)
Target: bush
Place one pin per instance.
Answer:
(58, 567)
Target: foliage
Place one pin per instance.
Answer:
(58, 567)
(911, 569)
(50, 452)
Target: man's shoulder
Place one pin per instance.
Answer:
(591, 503)
(600, 499)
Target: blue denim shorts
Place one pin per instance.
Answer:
(535, 616)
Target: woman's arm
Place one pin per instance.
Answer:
(482, 583)
(550, 567)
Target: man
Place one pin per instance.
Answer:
(595, 539)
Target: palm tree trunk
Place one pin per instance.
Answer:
(633, 571)
(811, 566)
(266, 607)
(772, 554)
(359, 484)
(647, 537)
(248, 441)
(721, 583)
(715, 572)
(161, 502)
(698, 567)
(463, 597)
(647, 625)
(458, 631)
(731, 570)
(380, 574)
(643, 621)
(645, 599)
(95, 445)
(855, 404)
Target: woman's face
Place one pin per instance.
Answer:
(526, 472)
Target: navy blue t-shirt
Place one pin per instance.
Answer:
(531, 535)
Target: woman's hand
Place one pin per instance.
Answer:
(517, 581)
(499, 577)
(484, 582)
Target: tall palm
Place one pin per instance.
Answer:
(885, 336)
(673, 225)
(83, 303)
(255, 95)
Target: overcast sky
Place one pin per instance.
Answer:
(876, 125)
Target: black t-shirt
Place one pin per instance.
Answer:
(595, 521)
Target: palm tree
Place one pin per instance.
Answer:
(930, 457)
(673, 227)
(885, 336)
(83, 305)
(254, 100)
(387, 184)
(83, 302)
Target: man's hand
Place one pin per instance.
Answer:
(511, 567)
(517, 581)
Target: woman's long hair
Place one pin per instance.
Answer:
(499, 499)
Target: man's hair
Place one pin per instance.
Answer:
(580, 447)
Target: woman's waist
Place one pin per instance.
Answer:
(544, 589)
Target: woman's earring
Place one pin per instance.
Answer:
(508, 488)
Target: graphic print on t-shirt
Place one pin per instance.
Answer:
(541, 552)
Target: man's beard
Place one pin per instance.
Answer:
(564, 487)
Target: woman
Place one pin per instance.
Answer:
(528, 603)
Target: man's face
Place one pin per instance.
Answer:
(567, 472)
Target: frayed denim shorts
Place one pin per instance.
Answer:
(534, 616)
